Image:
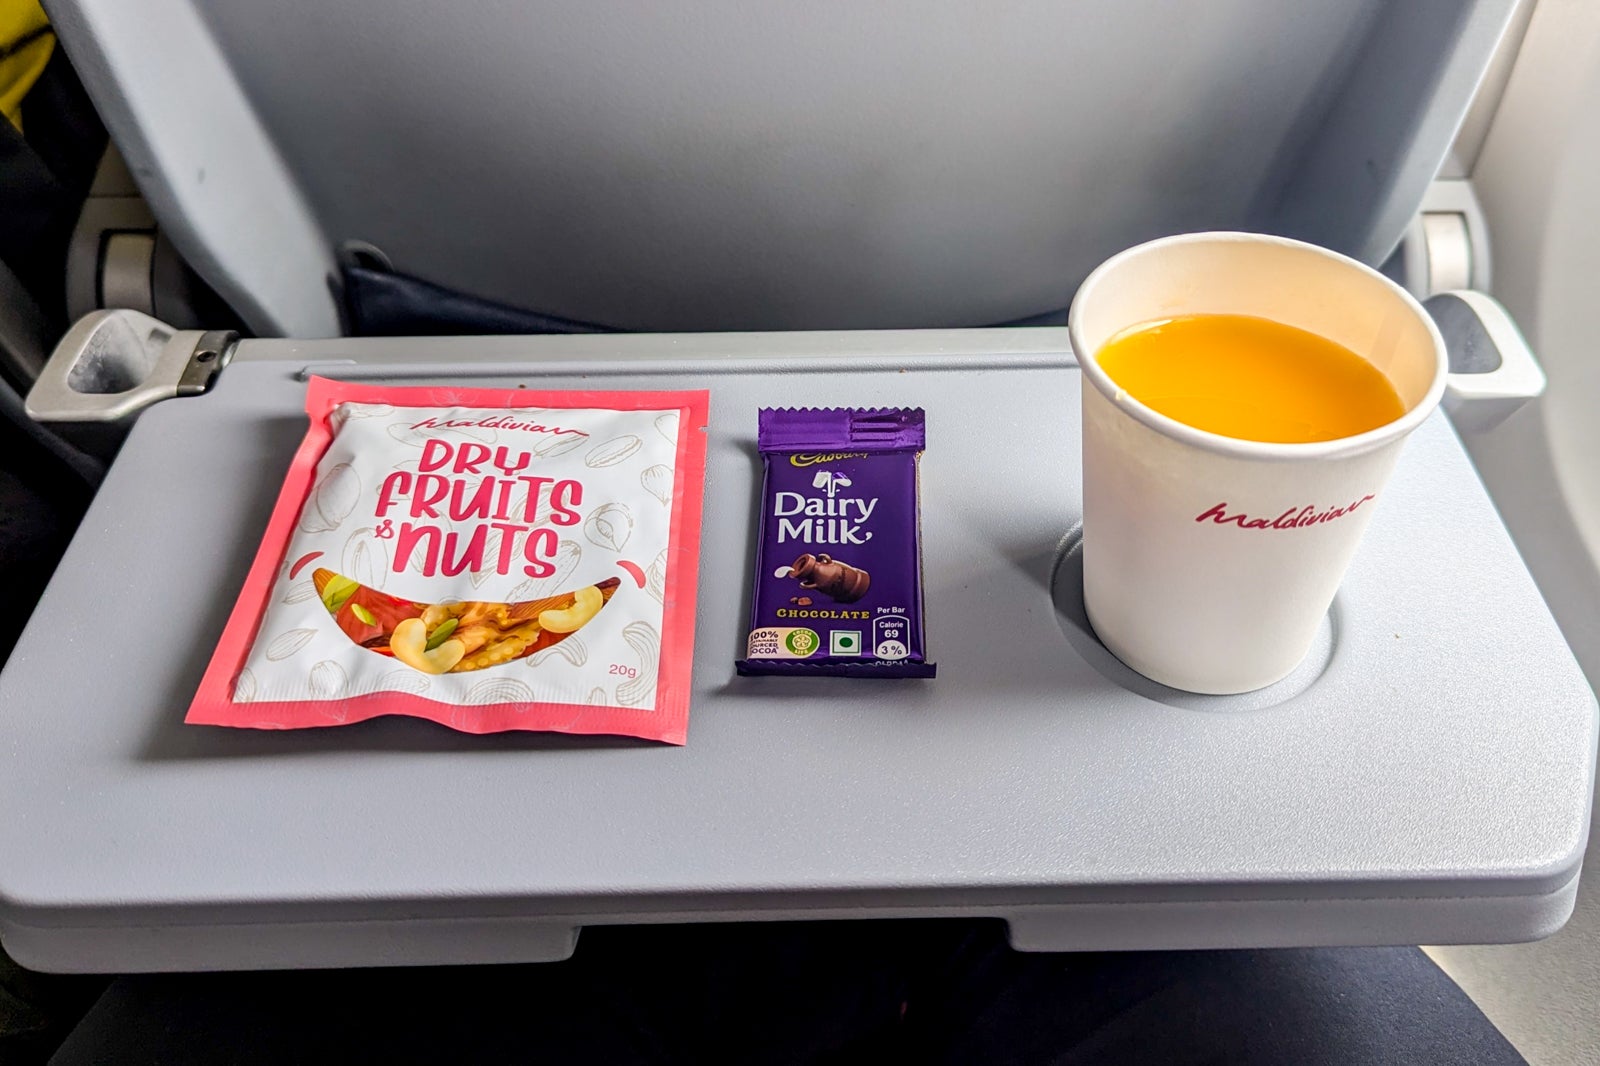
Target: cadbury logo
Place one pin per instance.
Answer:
(1293, 518)
(813, 458)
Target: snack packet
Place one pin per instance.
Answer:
(838, 584)
(489, 559)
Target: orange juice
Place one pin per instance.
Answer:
(1250, 378)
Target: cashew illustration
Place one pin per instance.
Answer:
(587, 602)
(409, 643)
(646, 643)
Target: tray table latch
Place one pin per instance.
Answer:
(113, 364)
(1492, 369)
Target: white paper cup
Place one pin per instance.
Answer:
(1209, 561)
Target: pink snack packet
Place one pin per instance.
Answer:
(490, 559)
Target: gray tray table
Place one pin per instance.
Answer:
(1425, 777)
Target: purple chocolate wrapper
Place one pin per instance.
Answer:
(838, 586)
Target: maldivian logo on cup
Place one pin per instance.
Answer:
(1309, 515)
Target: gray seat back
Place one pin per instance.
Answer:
(728, 164)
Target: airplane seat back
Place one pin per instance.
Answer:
(779, 165)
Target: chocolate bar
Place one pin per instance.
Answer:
(838, 585)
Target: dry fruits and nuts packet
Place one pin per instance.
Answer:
(490, 559)
(838, 585)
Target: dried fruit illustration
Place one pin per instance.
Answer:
(332, 500)
(244, 689)
(440, 638)
(612, 452)
(609, 526)
(667, 426)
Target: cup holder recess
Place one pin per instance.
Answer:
(1066, 591)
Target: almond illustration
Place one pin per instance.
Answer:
(286, 644)
(331, 502)
(300, 591)
(366, 558)
(328, 681)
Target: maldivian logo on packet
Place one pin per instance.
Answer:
(489, 559)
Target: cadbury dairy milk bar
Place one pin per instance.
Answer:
(838, 587)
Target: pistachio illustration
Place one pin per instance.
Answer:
(667, 426)
(657, 481)
(559, 444)
(609, 526)
(612, 452)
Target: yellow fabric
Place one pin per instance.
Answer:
(25, 47)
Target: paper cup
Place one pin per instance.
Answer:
(1210, 561)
